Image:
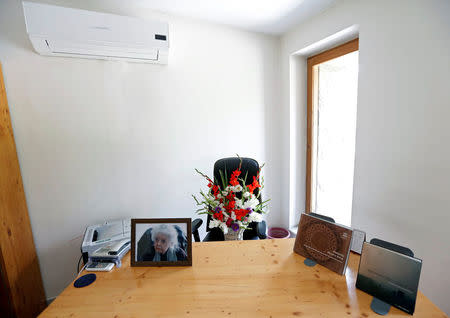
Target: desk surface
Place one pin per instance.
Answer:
(228, 279)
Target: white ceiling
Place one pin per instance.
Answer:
(266, 16)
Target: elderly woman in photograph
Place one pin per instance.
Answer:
(160, 244)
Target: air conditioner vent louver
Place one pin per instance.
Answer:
(98, 50)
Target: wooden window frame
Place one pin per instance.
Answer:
(312, 89)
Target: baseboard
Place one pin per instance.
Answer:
(50, 300)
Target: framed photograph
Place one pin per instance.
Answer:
(161, 242)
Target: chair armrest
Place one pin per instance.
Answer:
(195, 226)
(261, 230)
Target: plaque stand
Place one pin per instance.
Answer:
(309, 262)
(379, 307)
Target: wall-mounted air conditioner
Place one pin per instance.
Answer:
(59, 31)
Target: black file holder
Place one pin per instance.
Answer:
(377, 305)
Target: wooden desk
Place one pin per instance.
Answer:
(227, 279)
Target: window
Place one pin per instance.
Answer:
(331, 130)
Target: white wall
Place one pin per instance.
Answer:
(101, 140)
(402, 171)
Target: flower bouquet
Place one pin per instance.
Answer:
(233, 204)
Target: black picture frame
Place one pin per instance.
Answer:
(138, 258)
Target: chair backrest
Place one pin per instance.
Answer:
(249, 167)
(181, 237)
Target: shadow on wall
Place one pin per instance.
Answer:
(60, 255)
(271, 137)
(12, 19)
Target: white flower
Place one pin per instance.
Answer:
(214, 223)
(237, 188)
(251, 203)
(224, 227)
(246, 195)
(254, 217)
(233, 216)
(238, 203)
(228, 189)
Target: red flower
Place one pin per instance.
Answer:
(240, 214)
(236, 173)
(230, 205)
(233, 179)
(218, 216)
(229, 221)
(256, 183)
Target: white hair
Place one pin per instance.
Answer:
(167, 230)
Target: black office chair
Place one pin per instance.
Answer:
(249, 167)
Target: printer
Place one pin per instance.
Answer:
(106, 242)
